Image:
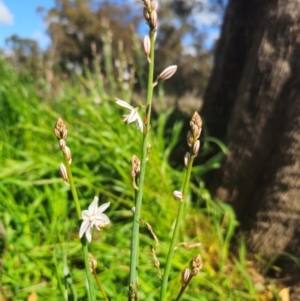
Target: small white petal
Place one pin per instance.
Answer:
(133, 116)
(83, 228)
(85, 214)
(93, 206)
(139, 123)
(101, 219)
(102, 208)
(124, 104)
(88, 234)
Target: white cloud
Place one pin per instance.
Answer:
(6, 16)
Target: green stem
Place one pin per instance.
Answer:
(164, 285)
(100, 285)
(139, 195)
(182, 290)
(83, 240)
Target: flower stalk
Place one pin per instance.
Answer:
(139, 193)
(61, 134)
(194, 143)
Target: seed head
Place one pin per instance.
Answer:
(60, 130)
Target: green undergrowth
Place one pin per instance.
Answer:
(40, 248)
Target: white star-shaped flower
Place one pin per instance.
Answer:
(93, 217)
(132, 116)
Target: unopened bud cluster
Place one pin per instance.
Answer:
(150, 13)
(188, 273)
(193, 138)
(61, 133)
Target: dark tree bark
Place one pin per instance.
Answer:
(253, 103)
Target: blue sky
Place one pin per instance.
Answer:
(20, 17)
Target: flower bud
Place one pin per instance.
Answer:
(196, 147)
(189, 139)
(147, 4)
(186, 159)
(67, 152)
(185, 276)
(196, 125)
(167, 73)
(60, 129)
(154, 5)
(147, 45)
(63, 172)
(177, 195)
(62, 144)
(196, 265)
(153, 19)
(146, 14)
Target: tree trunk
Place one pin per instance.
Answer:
(253, 103)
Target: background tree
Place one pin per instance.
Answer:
(24, 52)
(253, 103)
(74, 25)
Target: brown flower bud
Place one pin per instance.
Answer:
(189, 139)
(62, 144)
(186, 159)
(196, 147)
(196, 125)
(147, 4)
(185, 276)
(196, 265)
(67, 152)
(63, 172)
(167, 73)
(177, 195)
(146, 14)
(147, 45)
(153, 20)
(60, 130)
(154, 5)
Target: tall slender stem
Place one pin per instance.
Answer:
(139, 195)
(164, 285)
(83, 239)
